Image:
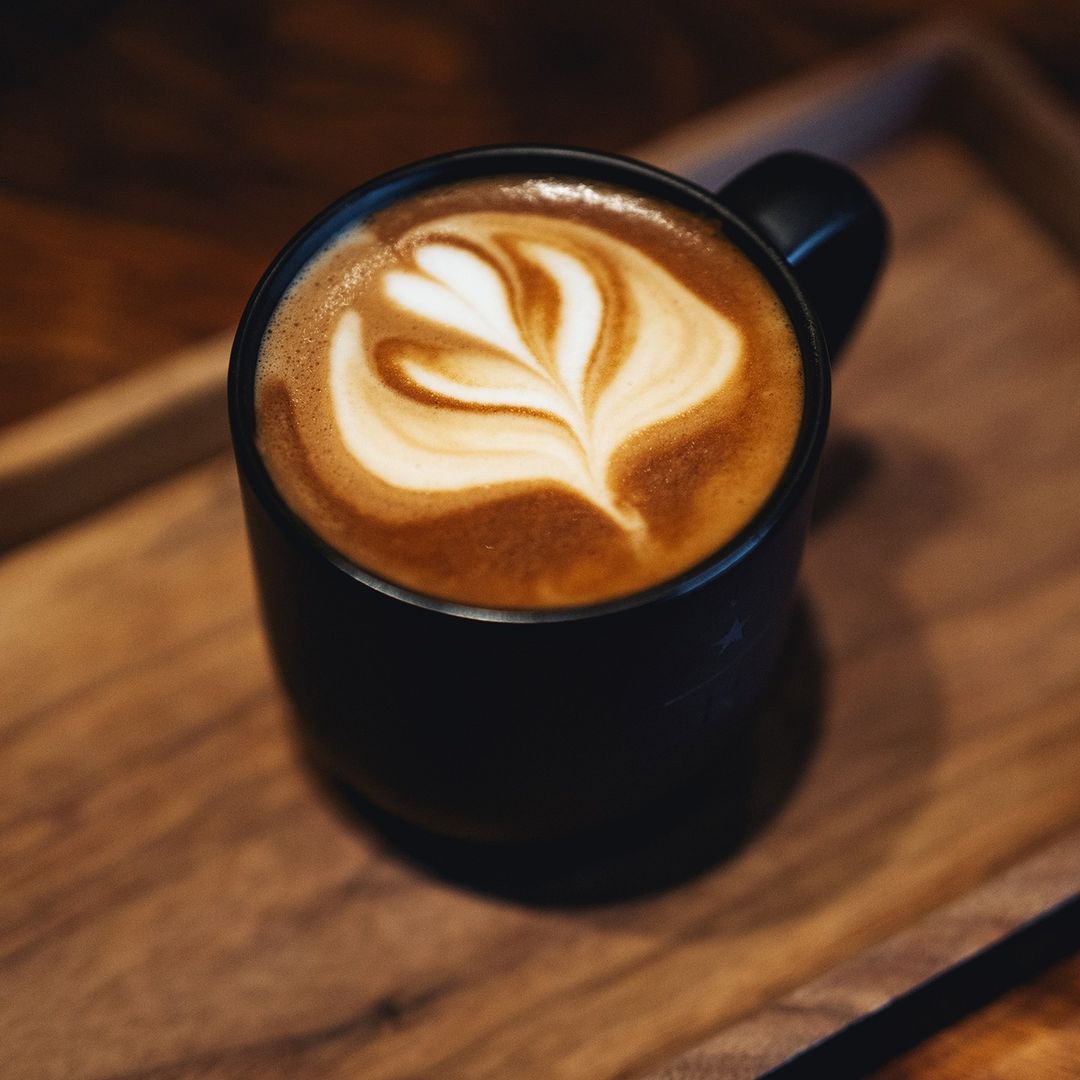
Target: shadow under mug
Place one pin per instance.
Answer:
(509, 726)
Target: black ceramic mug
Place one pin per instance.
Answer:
(517, 725)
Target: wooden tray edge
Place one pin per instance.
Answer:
(85, 453)
(93, 449)
(869, 1009)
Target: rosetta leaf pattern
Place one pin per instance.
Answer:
(500, 407)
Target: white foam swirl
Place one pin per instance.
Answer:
(500, 402)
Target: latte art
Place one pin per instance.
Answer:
(478, 394)
(528, 392)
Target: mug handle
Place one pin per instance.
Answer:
(825, 223)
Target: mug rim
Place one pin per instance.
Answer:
(539, 160)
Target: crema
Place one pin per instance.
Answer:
(528, 392)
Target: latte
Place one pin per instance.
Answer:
(528, 393)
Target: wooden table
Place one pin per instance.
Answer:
(162, 223)
(157, 155)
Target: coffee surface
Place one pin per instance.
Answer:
(528, 393)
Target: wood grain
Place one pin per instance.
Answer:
(86, 299)
(813, 1030)
(96, 447)
(1031, 1034)
(157, 154)
(180, 901)
(79, 457)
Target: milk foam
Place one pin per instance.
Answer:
(443, 379)
(528, 392)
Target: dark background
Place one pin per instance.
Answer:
(156, 154)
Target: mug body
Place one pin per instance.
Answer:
(516, 725)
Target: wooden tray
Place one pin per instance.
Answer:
(180, 900)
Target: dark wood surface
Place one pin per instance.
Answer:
(1032, 1033)
(899, 1002)
(154, 159)
(157, 154)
